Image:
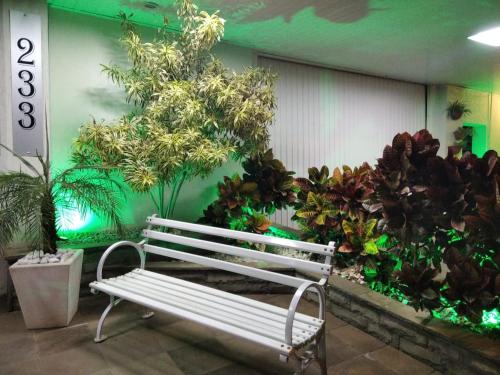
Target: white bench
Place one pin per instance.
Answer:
(291, 334)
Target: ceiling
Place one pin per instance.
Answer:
(414, 40)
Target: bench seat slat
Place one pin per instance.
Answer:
(243, 236)
(298, 264)
(248, 323)
(251, 303)
(237, 311)
(269, 333)
(227, 266)
(164, 307)
(278, 318)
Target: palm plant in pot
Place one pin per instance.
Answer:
(47, 280)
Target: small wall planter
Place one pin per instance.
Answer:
(48, 293)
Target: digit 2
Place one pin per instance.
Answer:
(21, 59)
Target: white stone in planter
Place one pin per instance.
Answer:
(48, 293)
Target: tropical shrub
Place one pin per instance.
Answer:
(191, 114)
(274, 182)
(442, 211)
(351, 189)
(423, 228)
(317, 217)
(246, 203)
(315, 214)
(335, 208)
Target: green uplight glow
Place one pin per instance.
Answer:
(277, 232)
(370, 273)
(491, 318)
(70, 219)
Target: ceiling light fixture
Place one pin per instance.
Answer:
(490, 37)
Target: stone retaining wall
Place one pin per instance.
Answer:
(446, 348)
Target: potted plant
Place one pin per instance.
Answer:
(47, 280)
(456, 110)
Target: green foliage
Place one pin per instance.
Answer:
(274, 182)
(333, 208)
(425, 229)
(191, 113)
(442, 211)
(28, 201)
(246, 203)
(418, 284)
(318, 215)
(351, 189)
(253, 222)
(314, 212)
(361, 236)
(234, 194)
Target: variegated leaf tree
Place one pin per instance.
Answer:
(191, 114)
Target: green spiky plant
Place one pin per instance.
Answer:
(28, 201)
(191, 114)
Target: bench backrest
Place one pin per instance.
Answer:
(321, 267)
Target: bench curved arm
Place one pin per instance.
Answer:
(295, 302)
(137, 246)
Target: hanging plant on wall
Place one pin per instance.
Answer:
(191, 113)
(456, 110)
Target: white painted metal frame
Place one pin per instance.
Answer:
(298, 264)
(243, 236)
(292, 334)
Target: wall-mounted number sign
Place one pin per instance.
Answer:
(28, 112)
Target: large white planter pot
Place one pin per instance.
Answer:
(48, 293)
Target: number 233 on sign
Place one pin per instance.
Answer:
(26, 88)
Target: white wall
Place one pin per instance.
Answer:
(336, 118)
(495, 123)
(438, 99)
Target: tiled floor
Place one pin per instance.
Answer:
(170, 346)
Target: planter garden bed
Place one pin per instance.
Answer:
(436, 342)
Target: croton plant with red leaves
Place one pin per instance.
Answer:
(245, 202)
(419, 223)
(423, 198)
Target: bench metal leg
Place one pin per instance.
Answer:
(321, 350)
(315, 351)
(303, 361)
(299, 365)
(113, 301)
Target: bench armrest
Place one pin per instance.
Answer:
(295, 302)
(137, 246)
